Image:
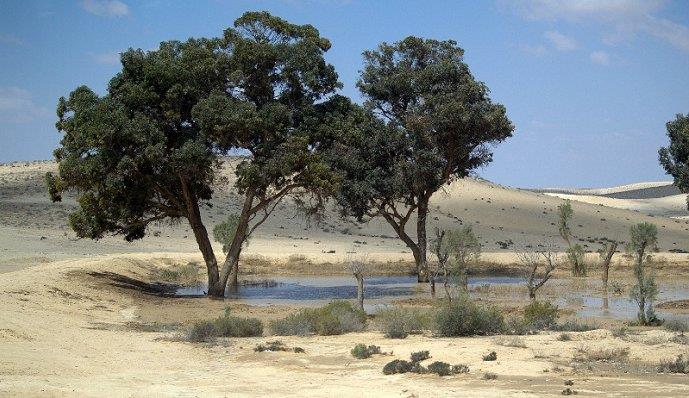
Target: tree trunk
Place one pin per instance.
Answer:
(606, 264)
(532, 293)
(421, 264)
(360, 290)
(201, 236)
(230, 270)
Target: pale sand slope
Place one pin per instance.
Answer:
(63, 333)
(33, 230)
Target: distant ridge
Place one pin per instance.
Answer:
(640, 190)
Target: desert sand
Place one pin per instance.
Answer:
(84, 318)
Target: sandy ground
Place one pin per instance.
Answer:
(68, 331)
(76, 315)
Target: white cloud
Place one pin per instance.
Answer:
(560, 41)
(111, 58)
(623, 18)
(536, 51)
(16, 106)
(110, 8)
(600, 58)
(11, 39)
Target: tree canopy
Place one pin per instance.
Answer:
(148, 149)
(433, 122)
(675, 157)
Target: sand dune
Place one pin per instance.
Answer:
(33, 230)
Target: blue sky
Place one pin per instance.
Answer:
(589, 84)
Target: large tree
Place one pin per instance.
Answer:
(435, 123)
(148, 150)
(675, 157)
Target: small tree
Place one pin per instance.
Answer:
(435, 123)
(675, 157)
(456, 250)
(606, 252)
(575, 252)
(358, 268)
(533, 260)
(644, 238)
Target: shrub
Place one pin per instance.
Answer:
(540, 315)
(491, 356)
(679, 365)
(335, 318)
(398, 323)
(201, 332)
(420, 356)
(620, 332)
(232, 326)
(677, 326)
(397, 366)
(440, 368)
(516, 325)
(361, 351)
(489, 376)
(456, 369)
(464, 318)
(575, 325)
(605, 355)
(277, 345)
(564, 337)
(224, 326)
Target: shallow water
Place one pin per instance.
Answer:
(582, 296)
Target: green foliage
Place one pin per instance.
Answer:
(202, 332)
(575, 255)
(489, 376)
(643, 239)
(491, 356)
(335, 318)
(457, 249)
(419, 356)
(465, 318)
(362, 351)
(225, 326)
(427, 121)
(677, 326)
(440, 368)
(397, 366)
(275, 346)
(564, 213)
(225, 231)
(575, 252)
(574, 325)
(675, 157)
(540, 315)
(398, 322)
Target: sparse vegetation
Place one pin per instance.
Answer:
(575, 325)
(603, 354)
(491, 356)
(414, 366)
(224, 326)
(489, 376)
(420, 356)
(540, 315)
(564, 337)
(456, 250)
(644, 237)
(575, 252)
(677, 326)
(440, 368)
(397, 366)
(362, 351)
(399, 322)
(678, 365)
(512, 341)
(335, 318)
(465, 318)
(532, 260)
(275, 346)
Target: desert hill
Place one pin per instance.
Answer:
(34, 230)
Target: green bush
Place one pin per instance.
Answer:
(397, 366)
(540, 315)
(420, 356)
(465, 318)
(201, 332)
(456, 369)
(232, 326)
(440, 368)
(335, 318)
(677, 326)
(361, 351)
(398, 323)
(575, 325)
(491, 356)
(224, 326)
